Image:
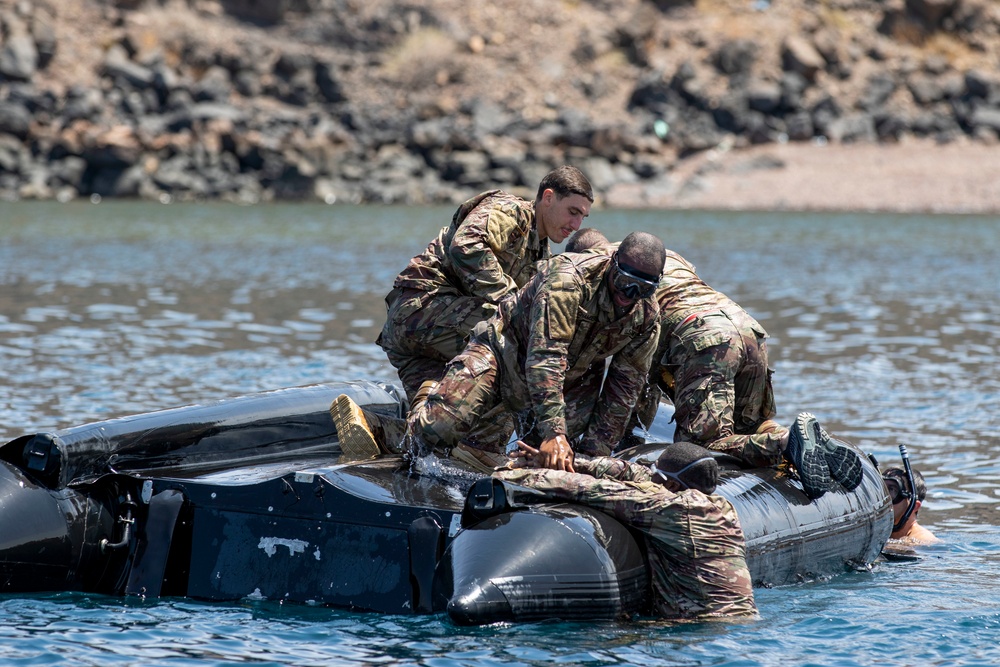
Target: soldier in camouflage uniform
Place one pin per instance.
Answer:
(711, 362)
(535, 357)
(489, 250)
(693, 539)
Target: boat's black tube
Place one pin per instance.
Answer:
(553, 561)
(244, 430)
(50, 540)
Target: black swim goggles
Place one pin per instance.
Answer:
(896, 490)
(633, 284)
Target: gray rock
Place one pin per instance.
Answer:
(764, 96)
(736, 56)
(69, 170)
(215, 85)
(878, 90)
(799, 55)
(44, 34)
(985, 117)
(117, 66)
(931, 12)
(800, 126)
(852, 128)
(15, 119)
(18, 57)
(327, 83)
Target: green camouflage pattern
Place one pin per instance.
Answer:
(694, 541)
(711, 361)
(425, 330)
(489, 250)
(543, 357)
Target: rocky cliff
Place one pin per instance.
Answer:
(429, 101)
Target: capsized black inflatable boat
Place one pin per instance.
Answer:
(248, 498)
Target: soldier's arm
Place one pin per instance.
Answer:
(623, 501)
(474, 247)
(553, 323)
(626, 376)
(612, 468)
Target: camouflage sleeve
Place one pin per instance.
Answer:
(628, 502)
(625, 379)
(474, 249)
(553, 323)
(612, 468)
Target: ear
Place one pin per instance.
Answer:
(548, 195)
(916, 507)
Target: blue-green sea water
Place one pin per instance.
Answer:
(886, 327)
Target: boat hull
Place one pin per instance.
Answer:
(249, 498)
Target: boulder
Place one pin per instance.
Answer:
(931, 12)
(799, 55)
(18, 57)
(15, 119)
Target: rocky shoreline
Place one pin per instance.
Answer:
(341, 101)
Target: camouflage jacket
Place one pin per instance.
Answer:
(682, 294)
(490, 249)
(555, 328)
(694, 542)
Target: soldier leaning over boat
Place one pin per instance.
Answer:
(711, 362)
(490, 249)
(537, 358)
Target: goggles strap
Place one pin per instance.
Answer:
(676, 476)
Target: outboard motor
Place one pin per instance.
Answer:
(521, 563)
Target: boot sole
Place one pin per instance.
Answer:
(808, 457)
(356, 440)
(844, 464)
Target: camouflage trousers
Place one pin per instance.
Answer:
(714, 368)
(424, 331)
(474, 405)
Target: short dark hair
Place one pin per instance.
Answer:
(899, 474)
(585, 239)
(693, 465)
(566, 181)
(642, 249)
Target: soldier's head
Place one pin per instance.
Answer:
(635, 270)
(684, 465)
(898, 485)
(585, 239)
(563, 201)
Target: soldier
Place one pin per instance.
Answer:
(490, 249)
(711, 361)
(533, 359)
(694, 541)
(905, 526)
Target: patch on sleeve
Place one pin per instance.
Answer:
(561, 309)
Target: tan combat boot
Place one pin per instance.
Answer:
(365, 434)
(355, 432)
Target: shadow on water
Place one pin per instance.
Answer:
(886, 327)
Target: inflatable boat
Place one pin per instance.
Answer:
(250, 497)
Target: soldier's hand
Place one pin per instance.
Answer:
(525, 456)
(556, 453)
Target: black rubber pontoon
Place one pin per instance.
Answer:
(248, 498)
